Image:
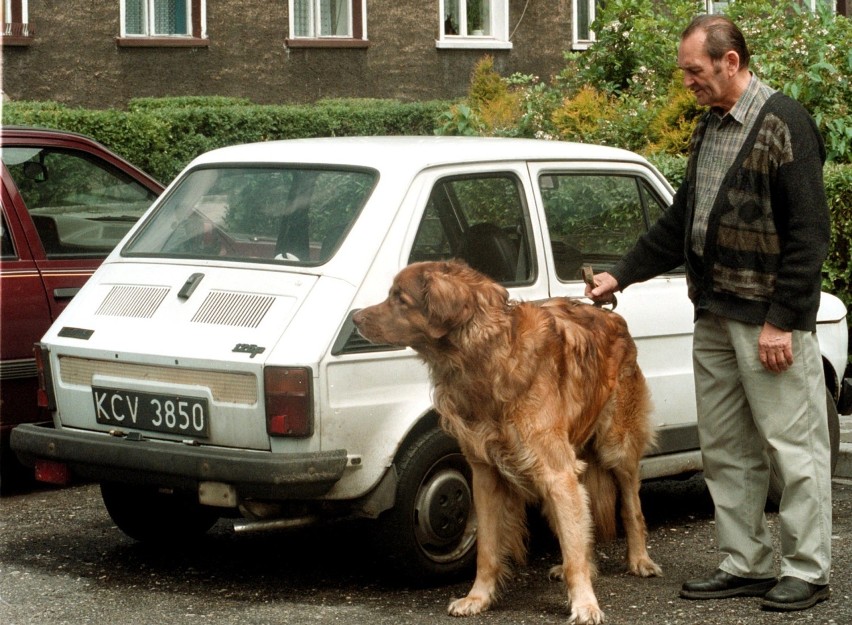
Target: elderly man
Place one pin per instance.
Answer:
(750, 222)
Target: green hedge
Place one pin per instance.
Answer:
(837, 271)
(162, 135)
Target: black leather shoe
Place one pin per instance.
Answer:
(722, 585)
(792, 593)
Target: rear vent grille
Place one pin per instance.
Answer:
(132, 301)
(233, 309)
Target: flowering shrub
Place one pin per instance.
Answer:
(635, 51)
(813, 66)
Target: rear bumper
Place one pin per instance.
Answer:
(101, 457)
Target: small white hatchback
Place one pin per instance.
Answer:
(210, 367)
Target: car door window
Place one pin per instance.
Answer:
(594, 219)
(480, 219)
(79, 204)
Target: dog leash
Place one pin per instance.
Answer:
(589, 278)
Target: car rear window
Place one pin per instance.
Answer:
(291, 215)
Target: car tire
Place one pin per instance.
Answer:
(429, 535)
(775, 484)
(148, 515)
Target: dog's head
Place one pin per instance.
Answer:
(428, 301)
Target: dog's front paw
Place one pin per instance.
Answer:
(589, 614)
(468, 606)
(645, 567)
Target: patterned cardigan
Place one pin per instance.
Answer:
(768, 232)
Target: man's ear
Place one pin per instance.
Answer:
(731, 62)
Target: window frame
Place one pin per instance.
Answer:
(74, 165)
(647, 197)
(576, 42)
(499, 28)
(357, 38)
(455, 217)
(196, 24)
(17, 30)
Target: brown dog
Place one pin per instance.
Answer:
(547, 403)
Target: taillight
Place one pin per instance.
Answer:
(52, 472)
(289, 401)
(45, 397)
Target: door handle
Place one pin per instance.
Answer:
(66, 292)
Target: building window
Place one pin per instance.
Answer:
(584, 16)
(156, 17)
(328, 23)
(322, 18)
(163, 22)
(17, 29)
(473, 24)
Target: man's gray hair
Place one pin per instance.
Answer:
(722, 36)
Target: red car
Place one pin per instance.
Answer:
(67, 201)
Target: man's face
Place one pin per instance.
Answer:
(709, 81)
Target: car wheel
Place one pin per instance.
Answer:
(148, 515)
(430, 533)
(775, 484)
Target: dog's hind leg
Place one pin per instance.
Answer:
(501, 536)
(622, 448)
(638, 561)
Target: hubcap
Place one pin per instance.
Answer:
(445, 523)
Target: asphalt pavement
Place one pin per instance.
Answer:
(63, 562)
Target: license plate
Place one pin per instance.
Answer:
(188, 416)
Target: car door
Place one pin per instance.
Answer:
(24, 315)
(74, 206)
(66, 203)
(594, 213)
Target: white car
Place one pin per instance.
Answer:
(210, 367)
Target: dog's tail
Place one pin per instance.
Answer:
(603, 492)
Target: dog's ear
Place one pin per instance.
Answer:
(449, 302)
(454, 293)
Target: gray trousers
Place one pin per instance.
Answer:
(748, 416)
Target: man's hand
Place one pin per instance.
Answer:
(775, 348)
(604, 287)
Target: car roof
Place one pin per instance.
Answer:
(35, 131)
(411, 152)
(67, 139)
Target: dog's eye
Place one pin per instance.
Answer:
(401, 297)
